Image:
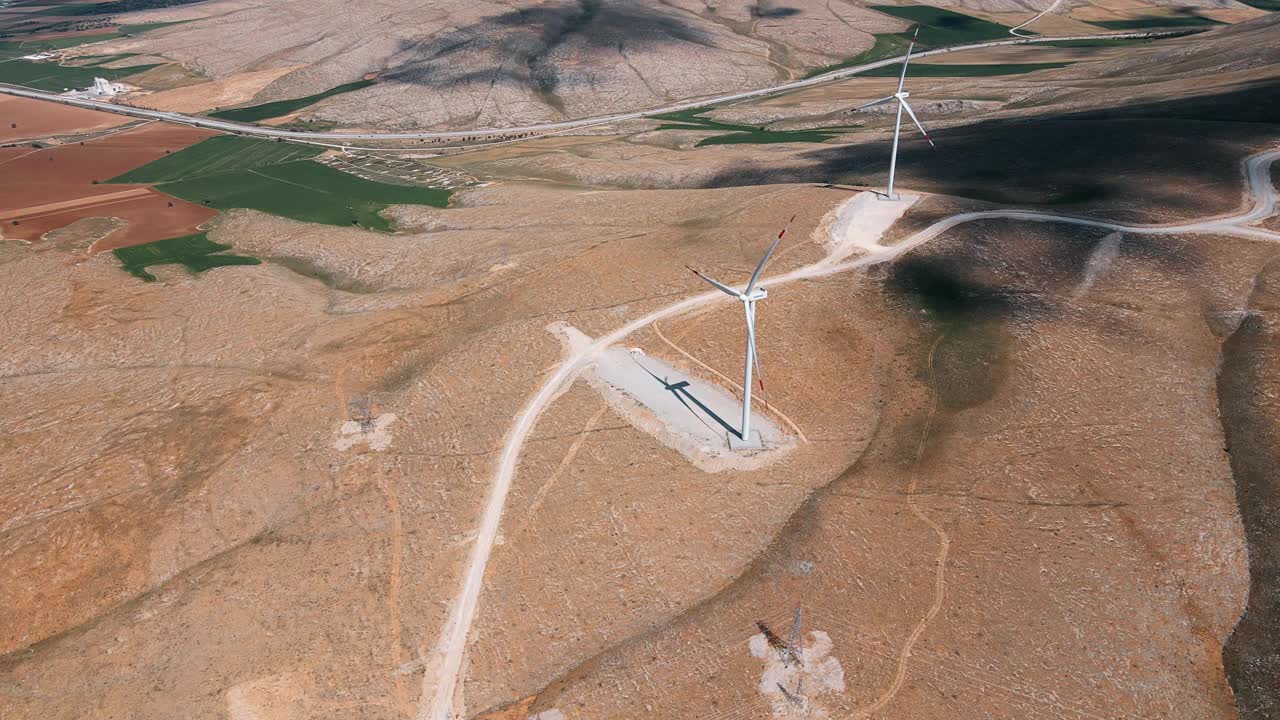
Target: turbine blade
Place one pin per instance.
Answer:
(725, 288)
(873, 103)
(902, 79)
(916, 120)
(756, 275)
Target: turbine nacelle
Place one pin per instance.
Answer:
(901, 95)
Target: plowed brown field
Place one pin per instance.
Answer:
(59, 187)
(25, 119)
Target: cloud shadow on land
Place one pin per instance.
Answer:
(519, 45)
(1249, 655)
(1117, 160)
(766, 10)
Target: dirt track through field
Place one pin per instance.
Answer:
(447, 659)
(944, 548)
(62, 184)
(92, 200)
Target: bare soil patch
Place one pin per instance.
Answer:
(1051, 24)
(59, 187)
(27, 119)
(166, 77)
(231, 90)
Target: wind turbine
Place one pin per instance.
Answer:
(901, 96)
(749, 297)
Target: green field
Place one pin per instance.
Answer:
(765, 137)
(220, 154)
(227, 171)
(939, 70)
(62, 43)
(1097, 42)
(306, 191)
(308, 125)
(253, 113)
(54, 77)
(937, 27)
(692, 119)
(1263, 4)
(97, 60)
(195, 252)
(147, 27)
(887, 45)
(740, 134)
(18, 48)
(106, 8)
(1154, 22)
(944, 27)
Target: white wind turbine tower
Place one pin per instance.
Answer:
(901, 96)
(749, 298)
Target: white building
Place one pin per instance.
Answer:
(101, 88)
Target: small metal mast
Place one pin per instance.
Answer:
(796, 641)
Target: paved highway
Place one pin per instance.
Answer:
(479, 133)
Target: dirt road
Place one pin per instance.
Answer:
(448, 656)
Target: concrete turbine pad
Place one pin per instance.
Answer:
(696, 418)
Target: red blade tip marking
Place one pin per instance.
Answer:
(784, 227)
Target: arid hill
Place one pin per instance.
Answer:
(469, 64)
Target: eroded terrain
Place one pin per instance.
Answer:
(1029, 468)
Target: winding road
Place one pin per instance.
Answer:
(447, 660)
(1014, 30)
(480, 133)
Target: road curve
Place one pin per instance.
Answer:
(270, 132)
(1014, 30)
(447, 660)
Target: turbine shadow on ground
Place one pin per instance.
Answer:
(1183, 150)
(682, 393)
